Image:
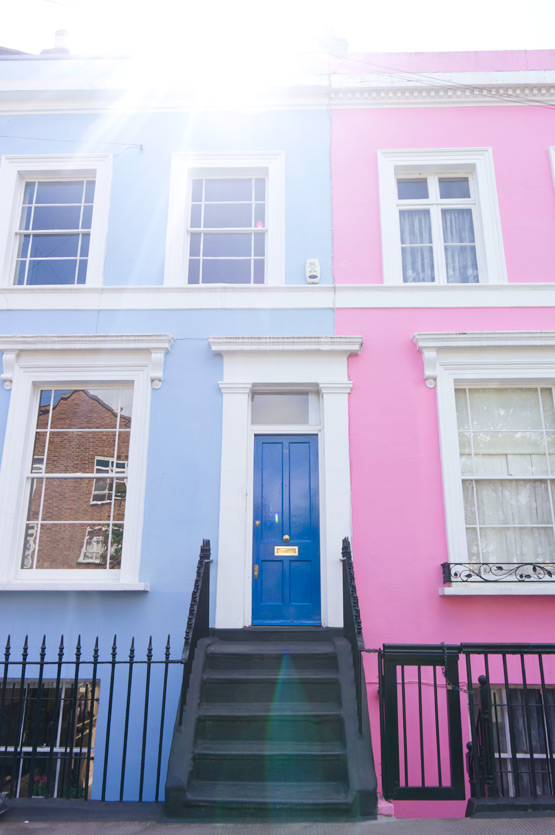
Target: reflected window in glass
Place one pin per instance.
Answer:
(77, 483)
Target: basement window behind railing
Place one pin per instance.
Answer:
(47, 737)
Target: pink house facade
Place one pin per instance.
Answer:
(444, 252)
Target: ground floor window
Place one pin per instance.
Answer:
(47, 737)
(523, 721)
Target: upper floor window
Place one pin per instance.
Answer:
(54, 231)
(226, 220)
(53, 219)
(436, 220)
(227, 230)
(440, 218)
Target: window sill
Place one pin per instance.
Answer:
(498, 589)
(71, 585)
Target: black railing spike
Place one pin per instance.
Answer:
(61, 648)
(7, 650)
(168, 650)
(132, 649)
(43, 649)
(114, 649)
(25, 650)
(96, 651)
(149, 650)
(78, 650)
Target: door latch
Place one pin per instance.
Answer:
(256, 572)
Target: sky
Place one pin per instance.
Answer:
(260, 28)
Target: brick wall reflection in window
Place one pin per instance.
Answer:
(76, 519)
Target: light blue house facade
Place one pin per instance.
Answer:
(153, 266)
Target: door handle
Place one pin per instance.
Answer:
(256, 572)
(286, 538)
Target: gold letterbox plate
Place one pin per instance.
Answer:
(286, 551)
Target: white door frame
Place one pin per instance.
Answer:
(312, 362)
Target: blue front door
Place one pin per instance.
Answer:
(286, 540)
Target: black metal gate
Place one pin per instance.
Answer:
(501, 695)
(413, 710)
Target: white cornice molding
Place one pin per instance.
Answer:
(16, 349)
(346, 345)
(284, 297)
(451, 349)
(429, 95)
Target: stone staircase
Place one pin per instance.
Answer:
(270, 731)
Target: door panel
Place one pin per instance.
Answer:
(286, 576)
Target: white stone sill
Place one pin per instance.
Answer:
(498, 590)
(72, 585)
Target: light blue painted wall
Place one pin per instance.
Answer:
(183, 476)
(140, 188)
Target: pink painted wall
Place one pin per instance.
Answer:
(399, 539)
(520, 138)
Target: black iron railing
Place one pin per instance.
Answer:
(65, 716)
(198, 620)
(513, 733)
(493, 572)
(352, 623)
(508, 694)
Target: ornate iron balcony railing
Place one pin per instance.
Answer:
(497, 572)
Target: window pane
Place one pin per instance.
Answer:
(227, 215)
(461, 265)
(196, 190)
(258, 271)
(65, 191)
(260, 189)
(87, 409)
(260, 245)
(280, 408)
(412, 189)
(418, 264)
(196, 216)
(416, 226)
(85, 241)
(51, 272)
(516, 502)
(454, 187)
(224, 271)
(231, 244)
(458, 227)
(194, 271)
(502, 409)
(60, 246)
(227, 190)
(194, 244)
(534, 545)
(57, 217)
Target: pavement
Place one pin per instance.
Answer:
(147, 819)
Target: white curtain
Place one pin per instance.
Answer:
(506, 444)
(416, 246)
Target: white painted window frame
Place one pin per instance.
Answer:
(474, 162)
(487, 358)
(186, 166)
(34, 362)
(288, 364)
(16, 170)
